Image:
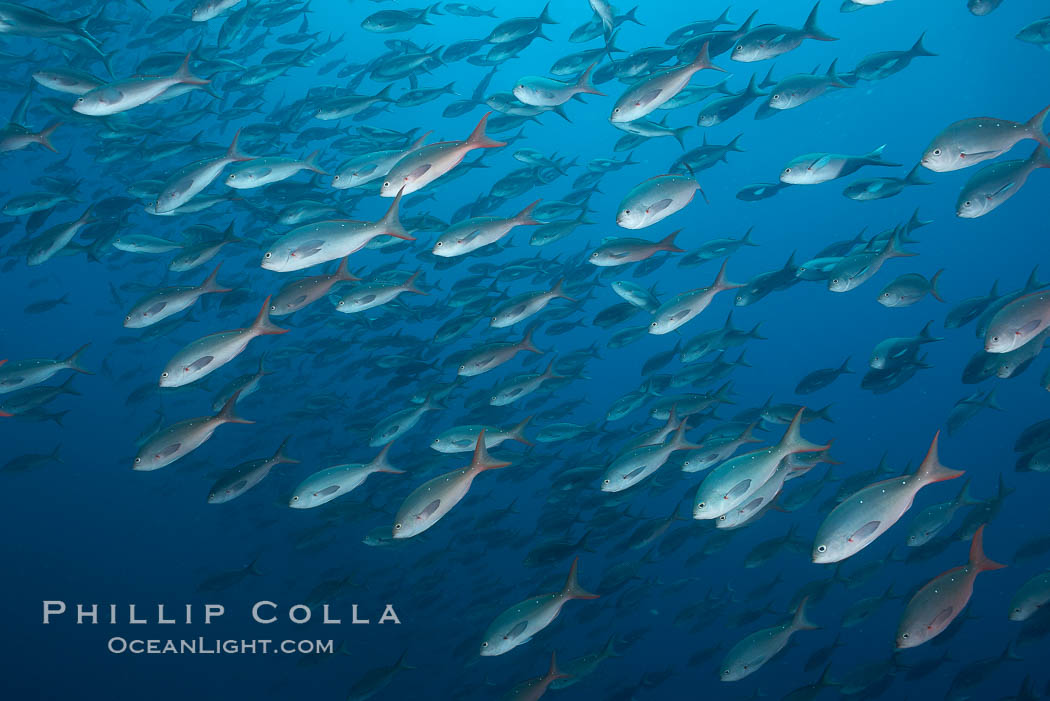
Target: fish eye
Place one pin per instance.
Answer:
(835, 281)
(164, 374)
(273, 307)
(439, 243)
(722, 517)
(616, 110)
(701, 505)
(822, 548)
(233, 176)
(268, 255)
(138, 460)
(605, 482)
(904, 635)
(787, 170)
(967, 203)
(397, 526)
(995, 338)
(776, 97)
(1017, 610)
(936, 152)
(386, 184)
(626, 211)
(295, 498)
(485, 644)
(80, 99)
(653, 324)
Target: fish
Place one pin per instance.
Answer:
(189, 181)
(682, 308)
(431, 501)
(320, 242)
(771, 40)
(623, 251)
(540, 91)
(428, 163)
(123, 95)
(299, 294)
(750, 654)
(1019, 322)
(168, 301)
(995, 183)
(21, 374)
(333, 482)
(932, 609)
(462, 439)
(933, 519)
(238, 480)
(535, 689)
(1031, 597)
(732, 483)
(180, 439)
(868, 513)
(474, 233)
(815, 168)
(650, 93)
(655, 199)
(206, 355)
(519, 623)
(971, 141)
(633, 466)
(908, 289)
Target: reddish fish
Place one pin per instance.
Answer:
(535, 688)
(943, 598)
(861, 518)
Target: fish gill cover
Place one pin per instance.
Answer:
(648, 340)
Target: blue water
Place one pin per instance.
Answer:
(89, 529)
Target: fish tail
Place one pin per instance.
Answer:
(391, 223)
(918, 49)
(584, 83)
(978, 560)
(545, 15)
(73, 361)
(793, 442)
(1036, 126)
(812, 30)
(381, 464)
(311, 163)
(210, 284)
(678, 440)
(933, 285)
(557, 292)
(280, 458)
(572, 589)
(518, 432)
(931, 470)
(703, 60)
(226, 414)
(478, 138)
(667, 243)
(184, 76)
(526, 343)
(232, 153)
(409, 284)
(44, 137)
(721, 283)
(1040, 157)
(482, 460)
(524, 217)
(262, 326)
(799, 621)
(912, 178)
(343, 271)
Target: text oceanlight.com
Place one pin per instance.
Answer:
(213, 646)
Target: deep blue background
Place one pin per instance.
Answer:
(91, 530)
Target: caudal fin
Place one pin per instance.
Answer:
(934, 290)
(482, 460)
(518, 432)
(572, 589)
(1037, 128)
(478, 138)
(184, 76)
(812, 30)
(978, 560)
(524, 217)
(390, 224)
(931, 470)
(211, 285)
(44, 137)
(233, 154)
(721, 282)
(73, 361)
(262, 326)
(793, 442)
(703, 60)
(226, 414)
(526, 343)
(799, 621)
(381, 464)
(557, 292)
(280, 458)
(584, 85)
(667, 243)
